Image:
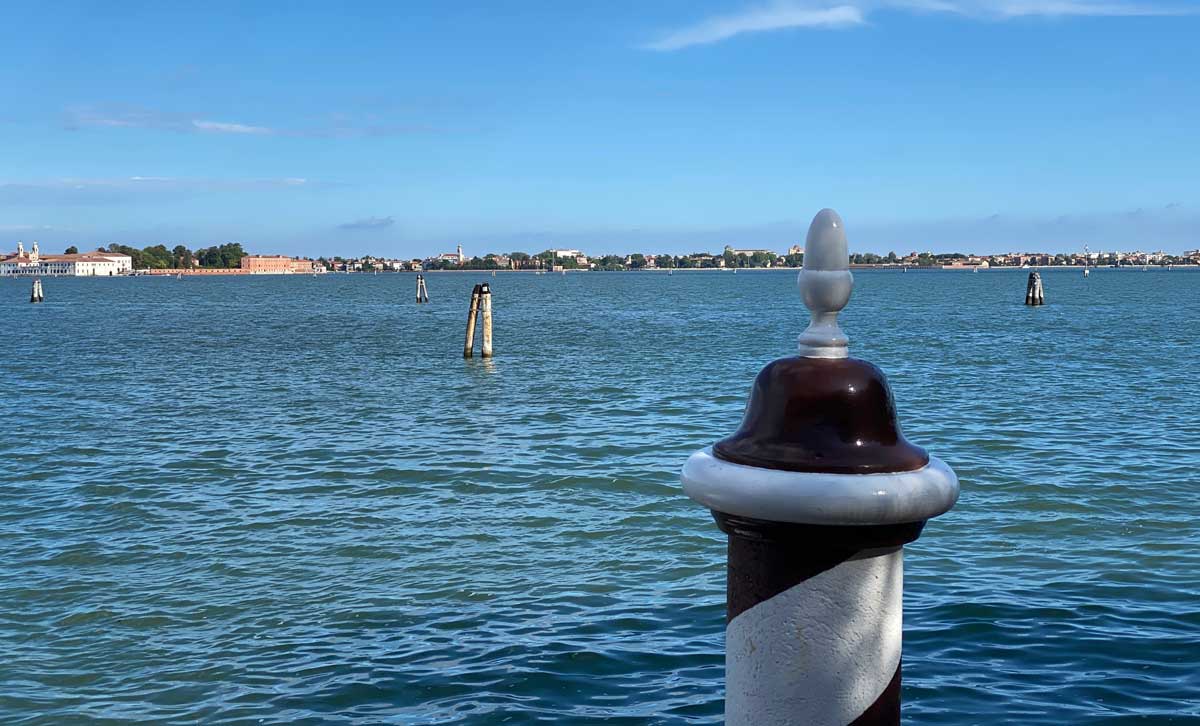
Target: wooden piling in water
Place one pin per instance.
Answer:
(36, 295)
(485, 304)
(422, 291)
(1034, 294)
(469, 346)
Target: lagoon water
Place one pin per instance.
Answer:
(289, 500)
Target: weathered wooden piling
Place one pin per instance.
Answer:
(818, 492)
(472, 313)
(422, 291)
(1034, 294)
(36, 295)
(485, 307)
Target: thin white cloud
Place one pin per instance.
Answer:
(221, 127)
(758, 20)
(789, 14)
(1025, 8)
(112, 190)
(336, 125)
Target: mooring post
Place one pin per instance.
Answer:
(818, 491)
(35, 295)
(1034, 295)
(422, 291)
(469, 347)
(485, 305)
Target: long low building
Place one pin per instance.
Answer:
(277, 265)
(89, 264)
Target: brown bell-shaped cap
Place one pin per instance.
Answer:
(821, 415)
(822, 411)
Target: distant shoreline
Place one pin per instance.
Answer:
(235, 272)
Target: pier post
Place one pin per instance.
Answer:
(1034, 295)
(422, 291)
(485, 307)
(35, 294)
(818, 491)
(469, 346)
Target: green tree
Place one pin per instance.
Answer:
(761, 259)
(637, 261)
(135, 255)
(72, 250)
(156, 257)
(181, 257)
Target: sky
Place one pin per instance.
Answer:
(403, 129)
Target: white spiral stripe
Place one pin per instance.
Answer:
(821, 652)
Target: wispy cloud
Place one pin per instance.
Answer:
(221, 127)
(1063, 8)
(111, 190)
(25, 227)
(369, 223)
(814, 14)
(757, 20)
(334, 125)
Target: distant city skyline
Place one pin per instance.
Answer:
(975, 126)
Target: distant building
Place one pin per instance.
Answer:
(456, 257)
(748, 253)
(274, 265)
(795, 250)
(91, 264)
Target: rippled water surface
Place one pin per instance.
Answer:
(289, 500)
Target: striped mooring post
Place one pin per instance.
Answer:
(818, 492)
(36, 295)
(1034, 295)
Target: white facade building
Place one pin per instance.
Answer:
(92, 264)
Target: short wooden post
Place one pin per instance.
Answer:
(422, 291)
(1033, 290)
(469, 346)
(35, 295)
(485, 304)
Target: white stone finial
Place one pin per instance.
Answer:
(825, 284)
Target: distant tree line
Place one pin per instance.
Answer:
(158, 257)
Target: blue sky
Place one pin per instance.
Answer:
(403, 128)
